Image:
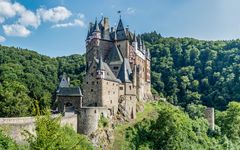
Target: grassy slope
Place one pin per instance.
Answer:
(119, 132)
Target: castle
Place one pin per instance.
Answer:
(117, 75)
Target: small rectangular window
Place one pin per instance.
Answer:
(91, 90)
(115, 68)
(121, 88)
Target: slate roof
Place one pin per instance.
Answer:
(108, 72)
(115, 56)
(125, 71)
(64, 81)
(69, 91)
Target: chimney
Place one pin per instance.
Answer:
(106, 23)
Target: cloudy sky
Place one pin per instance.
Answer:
(59, 27)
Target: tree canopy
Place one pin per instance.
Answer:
(186, 70)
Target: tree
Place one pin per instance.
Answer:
(6, 143)
(50, 135)
(14, 100)
(229, 121)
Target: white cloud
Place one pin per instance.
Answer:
(25, 18)
(28, 18)
(16, 30)
(9, 10)
(131, 11)
(2, 39)
(6, 9)
(76, 22)
(55, 14)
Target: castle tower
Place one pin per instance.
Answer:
(135, 43)
(100, 69)
(92, 43)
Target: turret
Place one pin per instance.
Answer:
(121, 33)
(144, 49)
(100, 68)
(140, 43)
(96, 32)
(65, 81)
(148, 55)
(135, 43)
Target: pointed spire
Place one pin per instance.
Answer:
(88, 34)
(140, 41)
(144, 47)
(100, 64)
(134, 37)
(64, 81)
(97, 28)
(120, 25)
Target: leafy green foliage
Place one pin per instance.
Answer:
(14, 99)
(6, 143)
(229, 122)
(172, 129)
(103, 122)
(50, 135)
(29, 80)
(186, 70)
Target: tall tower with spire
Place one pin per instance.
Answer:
(119, 55)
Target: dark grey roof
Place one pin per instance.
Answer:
(69, 91)
(115, 56)
(64, 81)
(101, 24)
(100, 64)
(125, 71)
(120, 25)
(108, 72)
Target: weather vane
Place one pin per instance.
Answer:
(119, 12)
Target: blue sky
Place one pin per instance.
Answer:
(59, 27)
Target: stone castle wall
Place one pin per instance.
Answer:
(209, 115)
(14, 127)
(88, 119)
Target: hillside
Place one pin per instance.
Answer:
(165, 126)
(184, 70)
(29, 80)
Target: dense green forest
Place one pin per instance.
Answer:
(184, 70)
(188, 72)
(28, 80)
(173, 128)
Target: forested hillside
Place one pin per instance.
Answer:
(184, 70)
(28, 80)
(187, 70)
